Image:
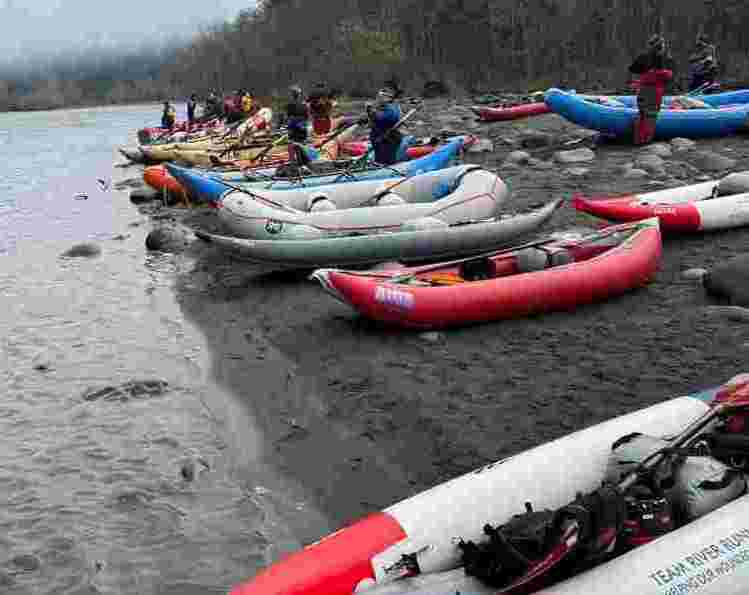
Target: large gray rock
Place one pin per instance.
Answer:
(709, 161)
(650, 163)
(575, 156)
(737, 183)
(533, 139)
(482, 145)
(168, 239)
(144, 194)
(730, 281)
(84, 250)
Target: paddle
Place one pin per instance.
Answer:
(736, 397)
(270, 147)
(432, 267)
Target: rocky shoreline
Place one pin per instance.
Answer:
(363, 416)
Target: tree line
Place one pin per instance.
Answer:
(469, 45)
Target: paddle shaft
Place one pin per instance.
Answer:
(439, 265)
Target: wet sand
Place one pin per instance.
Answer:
(363, 416)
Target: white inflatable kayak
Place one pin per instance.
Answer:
(709, 556)
(467, 193)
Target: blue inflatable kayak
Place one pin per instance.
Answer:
(203, 187)
(617, 121)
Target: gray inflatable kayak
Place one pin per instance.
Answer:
(468, 193)
(405, 243)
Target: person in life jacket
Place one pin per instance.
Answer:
(212, 106)
(321, 103)
(703, 63)
(655, 68)
(297, 122)
(192, 103)
(382, 117)
(168, 116)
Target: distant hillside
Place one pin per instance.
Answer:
(355, 45)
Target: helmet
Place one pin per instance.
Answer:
(628, 452)
(295, 90)
(386, 94)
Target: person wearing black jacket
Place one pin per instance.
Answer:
(655, 68)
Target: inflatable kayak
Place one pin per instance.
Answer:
(618, 121)
(707, 206)
(413, 241)
(436, 199)
(412, 546)
(515, 112)
(548, 275)
(203, 187)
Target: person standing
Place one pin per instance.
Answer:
(168, 116)
(382, 117)
(703, 63)
(297, 122)
(191, 105)
(655, 67)
(321, 103)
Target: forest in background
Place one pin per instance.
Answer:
(354, 45)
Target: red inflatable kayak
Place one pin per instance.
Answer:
(694, 208)
(498, 114)
(552, 274)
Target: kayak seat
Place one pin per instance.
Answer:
(478, 270)
(531, 260)
(559, 257)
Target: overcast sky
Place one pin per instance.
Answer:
(58, 25)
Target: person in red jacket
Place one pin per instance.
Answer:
(655, 67)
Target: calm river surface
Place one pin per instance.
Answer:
(106, 391)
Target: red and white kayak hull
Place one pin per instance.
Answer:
(364, 555)
(688, 209)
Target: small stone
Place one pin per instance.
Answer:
(650, 163)
(575, 156)
(635, 172)
(85, 250)
(518, 157)
(682, 144)
(532, 139)
(482, 145)
(709, 161)
(732, 313)
(695, 273)
(659, 149)
(26, 562)
(576, 171)
(431, 337)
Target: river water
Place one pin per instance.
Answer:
(124, 468)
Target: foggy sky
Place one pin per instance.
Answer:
(35, 27)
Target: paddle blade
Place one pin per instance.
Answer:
(734, 393)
